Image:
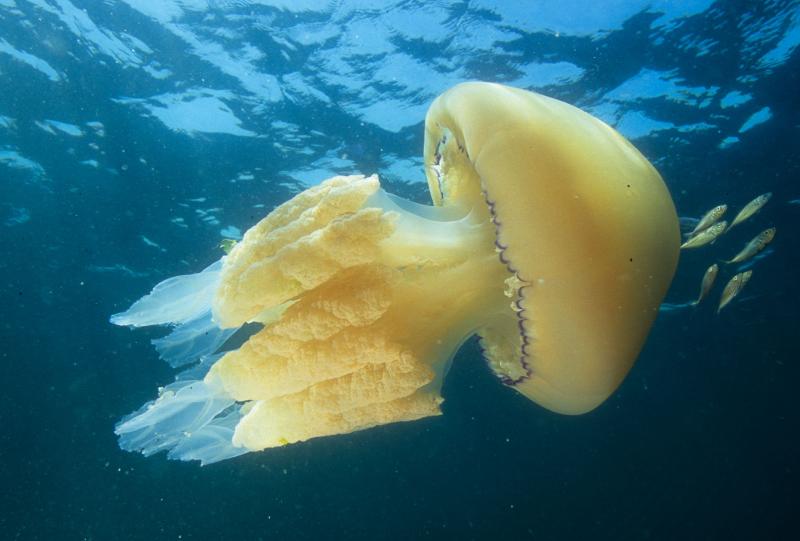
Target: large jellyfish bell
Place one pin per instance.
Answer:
(551, 237)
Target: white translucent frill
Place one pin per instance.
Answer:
(190, 419)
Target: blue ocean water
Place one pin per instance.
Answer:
(136, 134)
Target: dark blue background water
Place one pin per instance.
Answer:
(210, 113)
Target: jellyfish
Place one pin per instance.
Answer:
(550, 237)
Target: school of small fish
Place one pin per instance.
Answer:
(709, 228)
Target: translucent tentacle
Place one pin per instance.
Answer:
(192, 341)
(212, 443)
(184, 408)
(198, 371)
(179, 299)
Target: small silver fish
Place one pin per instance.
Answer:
(708, 281)
(754, 246)
(751, 208)
(706, 236)
(709, 218)
(733, 287)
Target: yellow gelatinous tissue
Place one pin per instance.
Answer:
(551, 237)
